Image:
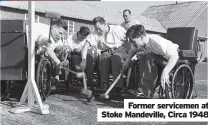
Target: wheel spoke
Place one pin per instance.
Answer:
(182, 82)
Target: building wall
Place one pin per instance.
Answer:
(11, 14)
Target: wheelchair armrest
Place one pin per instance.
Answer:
(182, 62)
(187, 53)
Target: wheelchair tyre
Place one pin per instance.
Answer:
(182, 82)
(167, 92)
(161, 93)
(44, 77)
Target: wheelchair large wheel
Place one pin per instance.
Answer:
(182, 82)
(44, 77)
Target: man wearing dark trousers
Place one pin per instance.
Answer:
(111, 46)
(156, 51)
(75, 43)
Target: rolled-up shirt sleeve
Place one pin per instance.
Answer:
(162, 46)
(172, 49)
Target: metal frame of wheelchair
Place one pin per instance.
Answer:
(43, 74)
(181, 80)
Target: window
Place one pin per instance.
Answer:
(70, 29)
(36, 18)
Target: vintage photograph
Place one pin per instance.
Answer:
(62, 60)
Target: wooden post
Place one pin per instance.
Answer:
(31, 93)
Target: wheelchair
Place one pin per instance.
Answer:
(14, 64)
(182, 76)
(182, 83)
(46, 72)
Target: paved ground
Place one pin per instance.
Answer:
(70, 109)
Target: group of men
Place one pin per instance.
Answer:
(113, 46)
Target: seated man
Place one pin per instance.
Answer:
(155, 48)
(49, 41)
(76, 42)
(110, 40)
(46, 40)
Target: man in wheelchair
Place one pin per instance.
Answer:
(109, 41)
(156, 49)
(47, 39)
(75, 43)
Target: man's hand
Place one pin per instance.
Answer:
(164, 79)
(82, 65)
(125, 65)
(63, 63)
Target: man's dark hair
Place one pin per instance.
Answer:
(61, 23)
(85, 31)
(135, 31)
(99, 19)
(127, 10)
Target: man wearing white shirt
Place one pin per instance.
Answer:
(75, 42)
(128, 19)
(156, 50)
(110, 40)
(42, 38)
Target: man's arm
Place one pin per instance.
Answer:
(172, 53)
(131, 53)
(171, 63)
(52, 54)
(84, 50)
(165, 73)
(91, 41)
(128, 60)
(83, 64)
(50, 49)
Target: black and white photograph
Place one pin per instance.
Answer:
(61, 61)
